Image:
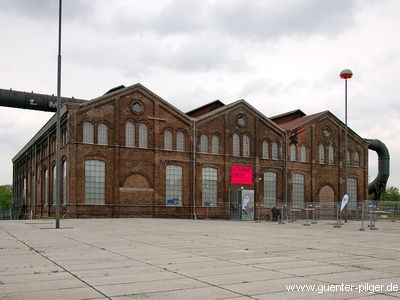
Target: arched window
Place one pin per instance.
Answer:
(54, 185)
(95, 182)
(204, 143)
(64, 182)
(348, 158)
(102, 134)
(356, 159)
(298, 190)
(46, 186)
(303, 153)
(321, 153)
(167, 140)
(180, 141)
(215, 144)
(275, 152)
(265, 150)
(235, 145)
(129, 134)
(174, 185)
(270, 189)
(246, 145)
(331, 155)
(88, 133)
(352, 187)
(143, 135)
(209, 189)
(293, 152)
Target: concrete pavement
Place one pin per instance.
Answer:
(197, 259)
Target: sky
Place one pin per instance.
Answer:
(277, 55)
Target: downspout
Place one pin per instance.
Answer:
(194, 169)
(286, 171)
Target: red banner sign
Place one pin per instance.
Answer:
(241, 175)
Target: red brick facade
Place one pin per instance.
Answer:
(135, 176)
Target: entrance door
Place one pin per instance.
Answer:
(241, 205)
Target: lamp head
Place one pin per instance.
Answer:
(346, 74)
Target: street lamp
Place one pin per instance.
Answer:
(345, 74)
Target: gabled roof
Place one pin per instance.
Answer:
(197, 112)
(295, 123)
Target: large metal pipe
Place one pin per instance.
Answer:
(379, 184)
(17, 99)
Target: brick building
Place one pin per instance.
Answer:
(129, 153)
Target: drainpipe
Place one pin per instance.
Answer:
(194, 169)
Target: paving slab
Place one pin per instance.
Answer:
(196, 259)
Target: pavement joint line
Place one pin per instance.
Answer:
(57, 264)
(159, 267)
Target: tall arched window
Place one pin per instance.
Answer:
(348, 158)
(235, 145)
(215, 144)
(321, 153)
(331, 154)
(167, 140)
(54, 184)
(265, 150)
(270, 189)
(303, 153)
(209, 189)
(64, 182)
(46, 186)
(298, 195)
(275, 152)
(143, 135)
(356, 157)
(204, 143)
(352, 187)
(95, 182)
(293, 152)
(174, 185)
(102, 134)
(180, 141)
(88, 133)
(246, 145)
(129, 134)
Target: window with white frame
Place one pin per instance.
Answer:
(293, 152)
(88, 133)
(356, 159)
(246, 145)
(275, 152)
(265, 150)
(174, 185)
(209, 188)
(180, 141)
(215, 144)
(321, 153)
(129, 134)
(102, 134)
(95, 182)
(303, 153)
(352, 186)
(298, 190)
(204, 143)
(270, 189)
(64, 182)
(54, 185)
(235, 145)
(143, 135)
(331, 153)
(167, 140)
(348, 158)
(46, 186)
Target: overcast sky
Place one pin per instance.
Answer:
(277, 55)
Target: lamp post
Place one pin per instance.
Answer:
(345, 74)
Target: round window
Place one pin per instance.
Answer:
(137, 107)
(241, 120)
